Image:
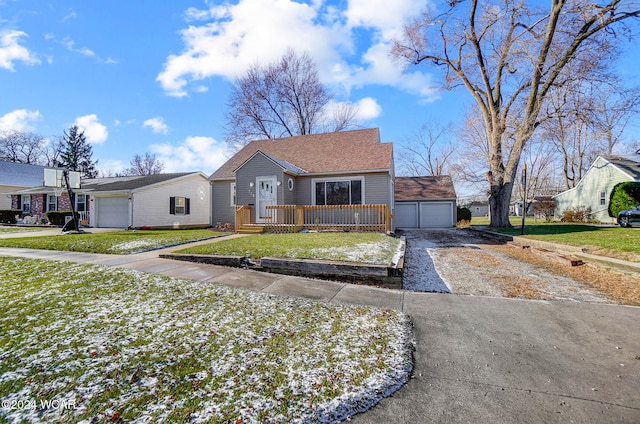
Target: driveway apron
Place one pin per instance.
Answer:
(419, 271)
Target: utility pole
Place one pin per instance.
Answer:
(524, 196)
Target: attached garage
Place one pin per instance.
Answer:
(424, 202)
(406, 214)
(112, 212)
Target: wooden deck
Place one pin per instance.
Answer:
(294, 218)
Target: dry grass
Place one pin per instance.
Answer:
(620, 288)
(513, 286)
(522, 288)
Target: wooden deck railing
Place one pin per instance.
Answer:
(292, 218)
(243, 216)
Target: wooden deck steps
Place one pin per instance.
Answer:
(250, 229)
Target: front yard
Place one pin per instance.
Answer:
(116, 242)
(111, 345)
(368, 248)
(616, 242)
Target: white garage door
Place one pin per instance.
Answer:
(436, 214)
(113, 212)
(406, 215)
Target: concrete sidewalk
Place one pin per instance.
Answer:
(477, 359)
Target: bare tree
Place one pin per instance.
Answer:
(22, 147)
(144, 165)
(282, 99)
(428, 150)
(509, 55)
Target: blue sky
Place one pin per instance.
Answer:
(154, 76)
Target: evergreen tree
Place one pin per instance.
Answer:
(76, 153)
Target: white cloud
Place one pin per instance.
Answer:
(157, 125)
(226, 39)
(19, 120)
(387, 17)
(11, 51)
(249, 32)
(193, 153)
(95, 132)
(368, 108)
(70, 45)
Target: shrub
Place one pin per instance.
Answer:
(577, 214)
(543, 208)
(464, 214)
(8, 216)
(57, 217)
(623, 196)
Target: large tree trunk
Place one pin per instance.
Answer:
(499, 201)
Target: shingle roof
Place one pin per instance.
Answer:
(412, 188)
(346, 151)
(627, 165)
(110, 184)
(128, 183)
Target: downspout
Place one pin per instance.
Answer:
(130, 195)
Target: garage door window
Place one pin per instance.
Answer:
(179, 206)
(346, 192)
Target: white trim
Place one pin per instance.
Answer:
(336, 179)
(233, 193)
(273, 180)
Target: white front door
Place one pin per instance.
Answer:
(266, 195)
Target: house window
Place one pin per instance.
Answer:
(52, 202)
(338, 192)
(603, 198)
(81, 202)
(179, 206)
(26, 203)
(232, 190)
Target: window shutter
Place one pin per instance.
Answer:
(172, 205)
(187, 207)
(19, 202)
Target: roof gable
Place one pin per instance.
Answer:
(346, 151)
(627, 166)
(286, 166)
(426, 187)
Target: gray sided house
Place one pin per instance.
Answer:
(333, 180)
(17, 176)
(594, 189)
(425, 202)
(176, 200)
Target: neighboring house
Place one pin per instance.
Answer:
(478, 208)
(17, 176)
(178, 200)
(425, 202)
(594, 189)
(339, 180)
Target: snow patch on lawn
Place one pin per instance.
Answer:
(149, 348)
(368, 253)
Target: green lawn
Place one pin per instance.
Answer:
(117, 242)
(20, 229)
(115, 345)
(623, 243)
(349, 247)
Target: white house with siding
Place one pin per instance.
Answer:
(173, 200)
(594, 190)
